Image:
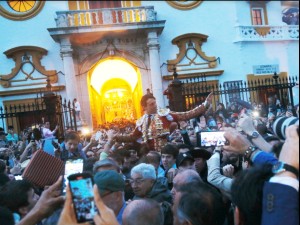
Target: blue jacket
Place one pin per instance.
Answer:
(280, 205)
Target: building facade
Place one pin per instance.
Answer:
(107, 54)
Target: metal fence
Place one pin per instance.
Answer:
(195, 91)
(56, 110)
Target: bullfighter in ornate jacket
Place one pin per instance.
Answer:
(153, 127)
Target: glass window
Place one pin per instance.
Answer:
(257, 16)
(21, 6)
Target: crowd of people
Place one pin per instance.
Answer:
(162, 172)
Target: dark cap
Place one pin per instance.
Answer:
(109, 180)
(183, 156)
(105, 162)
(200, 153)
(3, 133)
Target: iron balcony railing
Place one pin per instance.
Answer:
(105, 16)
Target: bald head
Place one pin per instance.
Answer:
(143, 212)
(184, 177)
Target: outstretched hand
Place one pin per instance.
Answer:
(209, 99)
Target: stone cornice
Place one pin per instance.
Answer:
(30, 91)
(191, 75)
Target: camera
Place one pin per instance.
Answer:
(281, 123)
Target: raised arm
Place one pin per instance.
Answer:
(198, 111)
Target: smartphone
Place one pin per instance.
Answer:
(213, 138)
(81, 186)
(72, 166)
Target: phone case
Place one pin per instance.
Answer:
(43, 169)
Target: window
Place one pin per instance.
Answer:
(21, 6)
(257, 16)
(258, 13)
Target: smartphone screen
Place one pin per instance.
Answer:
(214, 138)
(81, 186)
(72, 166)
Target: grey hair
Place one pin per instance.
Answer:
(146, 170)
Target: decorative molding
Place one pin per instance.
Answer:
(191, 42)
(31, 91)
(184, 5)
(191, 75)
(9, 13)
(27, 55)
(262, 31)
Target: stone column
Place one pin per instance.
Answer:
(156, 78)
(66, 54)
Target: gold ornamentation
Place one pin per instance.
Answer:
(163, 111)
(155, 131)
(184, 5)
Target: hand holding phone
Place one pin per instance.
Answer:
(81, 187)
(72, 166)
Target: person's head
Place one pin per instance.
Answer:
(168, 155)
(106, 164)
(72, 140)
(37, 134)
(10, 129)
(148, 103)
(185, 161)
(47, 125)
(183, 148)
(111, 186)
(200, 156)
(143, 212)
(18, 196)
(198, 203)
(247, 193)
(153, 158)
(143, 176)
(221, 106)
(184, 177)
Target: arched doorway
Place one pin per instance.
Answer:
(115, 90)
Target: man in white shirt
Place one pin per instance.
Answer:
(47, 133)
(77, 109)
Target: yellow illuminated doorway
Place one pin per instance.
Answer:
(115, 91)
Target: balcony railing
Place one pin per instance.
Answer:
(267, 33)
(105, 16)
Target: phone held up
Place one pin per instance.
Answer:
(81, 187)
(212, 138)
(72, 166)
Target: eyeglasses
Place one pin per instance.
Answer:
(138, 181)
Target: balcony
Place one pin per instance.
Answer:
(133, 20)
(105, 16)
(267, 33)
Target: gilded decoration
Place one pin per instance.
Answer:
(189, 52)
(25, 10)
(29, 56)
(184, 5)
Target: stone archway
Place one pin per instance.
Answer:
(114, 91)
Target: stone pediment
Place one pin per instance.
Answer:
(190, 56)
(28, 69)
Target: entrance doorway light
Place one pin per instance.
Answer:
(111, 69)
